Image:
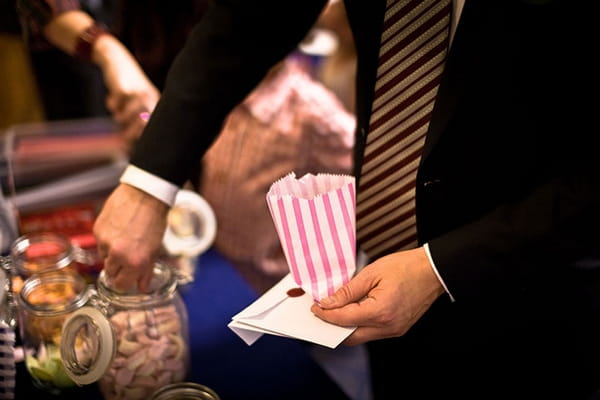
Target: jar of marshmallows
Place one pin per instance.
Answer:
(130, 343)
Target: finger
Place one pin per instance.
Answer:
(133, 109)
(111, 266)
(115, 102)
(132, 131)
(144, 116)
(352, 292)
(359, 313)
(362, 335)
(125, 280)
(144, 281)
(125, 108)
(102, 251)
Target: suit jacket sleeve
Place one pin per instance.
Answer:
(226, 55)
(508, 191)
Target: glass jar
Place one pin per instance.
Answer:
(7, 335)
(191, 230)
(8, 304)
(185, 391)
(131, 343)
(42, 252)
(44, 303)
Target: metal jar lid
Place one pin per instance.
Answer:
(185, 391)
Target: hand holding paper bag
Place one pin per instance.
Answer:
(315, 220)
(314, 217)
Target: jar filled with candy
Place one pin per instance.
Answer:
(44, 303)
(131, 343)
(41, 252)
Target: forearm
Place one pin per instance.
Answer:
(130, 91)
(65, 29)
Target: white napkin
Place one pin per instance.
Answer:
(278, 313)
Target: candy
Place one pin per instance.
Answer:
(151, 353)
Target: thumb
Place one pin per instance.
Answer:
(112, 102)
(115, 103)
(352, 292)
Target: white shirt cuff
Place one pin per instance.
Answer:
(163, 190)
(426, 247)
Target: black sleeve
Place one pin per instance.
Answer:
(227, 54)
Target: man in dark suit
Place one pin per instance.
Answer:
(500, 295)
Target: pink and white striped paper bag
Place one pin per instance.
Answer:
(315, 220)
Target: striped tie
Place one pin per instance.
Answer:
(414, 43)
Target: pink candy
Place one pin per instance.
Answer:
(151, 353)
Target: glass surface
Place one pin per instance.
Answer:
(41, 252)
(44, 303)
(151, 331)
(185, 391)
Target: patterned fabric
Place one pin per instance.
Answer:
(289, 123)
(7, 362)
(414, 43)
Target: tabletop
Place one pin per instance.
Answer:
(272, 368)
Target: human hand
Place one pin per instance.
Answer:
(129, 232)
(385, 298)
(130, 92)
(131, 95)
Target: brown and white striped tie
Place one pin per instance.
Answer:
(414, 43)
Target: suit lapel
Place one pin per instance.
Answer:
(461, 57)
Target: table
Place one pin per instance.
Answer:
(272, 368)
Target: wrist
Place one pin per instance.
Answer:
(87, 39)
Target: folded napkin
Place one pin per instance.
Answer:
(315, 220)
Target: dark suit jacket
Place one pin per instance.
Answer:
(508, 191)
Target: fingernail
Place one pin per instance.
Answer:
(327, 301)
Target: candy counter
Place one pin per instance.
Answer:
(50, 184)
(272, 368)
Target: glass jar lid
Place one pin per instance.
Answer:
(41, 252)
(191, 225)
(88, 345)
(185, 391)
(88, 340)
(53, 293)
